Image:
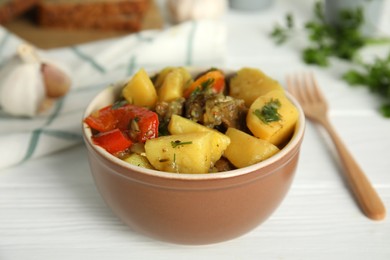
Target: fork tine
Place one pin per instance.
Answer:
(303, 86)
(316, 91)
(290, 85)
(294, 86)
(308, 87)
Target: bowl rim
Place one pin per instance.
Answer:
(294, 142)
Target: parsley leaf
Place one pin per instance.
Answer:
(343, 41)
(375, 76)
(269, 112)
(326, 40)
(385, 110)
(281, 34)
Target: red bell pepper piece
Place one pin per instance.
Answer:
(216, 79)
(143, 123)
(140, 123)
(102, 120)
(113, 141)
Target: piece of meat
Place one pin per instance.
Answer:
(225, 111)
(165, 110)
(223, 165)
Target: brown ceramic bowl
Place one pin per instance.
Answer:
(192, 208)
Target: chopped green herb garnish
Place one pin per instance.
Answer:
(269, 112)
(203, 87)
(196, 91)
(178, 143)
(133, 126)
(119, 104)
(206, 84)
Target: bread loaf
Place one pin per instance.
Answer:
(93, 14)
(10, 9)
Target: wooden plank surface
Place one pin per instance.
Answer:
(46, 38)
(50, 207)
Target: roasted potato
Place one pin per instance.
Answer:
(272, 117)
(138, 160)
(250, 83)
(219, 141)
(245, 150)
(184, 153)
(140, 90)
(171, 82)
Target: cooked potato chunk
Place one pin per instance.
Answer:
(187, 77)
(272, 117)
(173, 86)
(161, 76)
(245, 150)
(138, 160)
(250, 83)
(171, 83)
(184, 153)
(181, 125)
(140, 90)
(164, 72)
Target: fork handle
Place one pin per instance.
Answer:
(367, 197)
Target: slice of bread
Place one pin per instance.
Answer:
(93, 14)
(9, 9)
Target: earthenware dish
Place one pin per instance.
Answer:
(192, 208)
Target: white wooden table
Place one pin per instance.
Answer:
(50, 208)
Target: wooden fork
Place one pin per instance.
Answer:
(305, 89)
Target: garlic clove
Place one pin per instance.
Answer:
(57, 82)
(55, 76)
(21, 88)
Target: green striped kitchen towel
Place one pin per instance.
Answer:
(93, 66)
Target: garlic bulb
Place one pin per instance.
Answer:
(28, 84)
(183, 10)
(21, 88)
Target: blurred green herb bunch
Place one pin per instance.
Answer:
(343, 41)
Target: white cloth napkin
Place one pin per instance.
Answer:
(94, 66)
